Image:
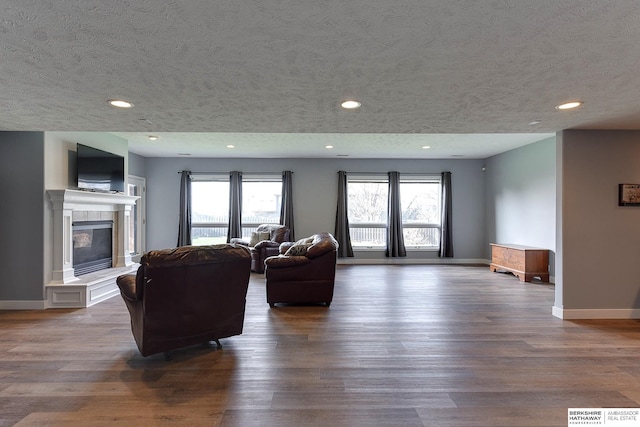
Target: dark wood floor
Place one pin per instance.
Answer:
(400, 346)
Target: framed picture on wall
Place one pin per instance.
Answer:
(629, 195)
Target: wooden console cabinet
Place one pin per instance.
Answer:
(525, 262)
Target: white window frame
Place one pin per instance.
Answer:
(427, 179)
(383, 179)
(210, 178)
(361, 178)
(248, 227)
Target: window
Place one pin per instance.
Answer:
(367, 211)
(368, 204)
(209, 211)
(421, 214)
(261, 199)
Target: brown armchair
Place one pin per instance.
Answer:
(265, 242)
(304, 272)
(185, 296)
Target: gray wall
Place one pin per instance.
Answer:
(21, 219)
(599, 241)
(521, 197)
(136, 165)
(315, 194)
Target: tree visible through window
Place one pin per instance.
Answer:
(420, 204)
(368, 204)
(261, 198)
(367, 211)
(209, 212)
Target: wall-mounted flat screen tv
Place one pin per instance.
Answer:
(99, 170)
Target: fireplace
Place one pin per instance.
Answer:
(109, 217)
(92, 246)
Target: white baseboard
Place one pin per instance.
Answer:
(415, 261)
(595, 313)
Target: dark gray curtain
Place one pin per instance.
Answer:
(235, 205)
(342, 234)
(286, 206)
(395, 239)
(184, 224)
(446, 236)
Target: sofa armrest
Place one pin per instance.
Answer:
(266, 244)
(321, 247)
(127, 285)
(282, 261)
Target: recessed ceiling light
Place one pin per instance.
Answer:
(120, 103)
(569, 105)
(153, 137)
(231, 146)
(426, 147)
(350, 105)
(535, 122)
(328, 147)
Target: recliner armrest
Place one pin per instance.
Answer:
(127, 285)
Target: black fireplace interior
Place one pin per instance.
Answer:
(92, 246)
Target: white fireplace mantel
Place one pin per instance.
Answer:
(89, 200)
(65, 289)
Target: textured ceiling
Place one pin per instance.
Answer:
(444, 73)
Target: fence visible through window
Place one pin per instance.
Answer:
(368, 211)
(261, 199)
(415, 237)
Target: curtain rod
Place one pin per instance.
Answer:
(227, 172)
(401, 173)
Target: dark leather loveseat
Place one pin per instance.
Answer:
(185, 296)
(304, 272)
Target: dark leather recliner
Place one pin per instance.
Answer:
(265, 242)
(304, 272)
(185, 296)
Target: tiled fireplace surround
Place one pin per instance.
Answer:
(66, 290)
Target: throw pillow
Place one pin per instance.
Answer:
(258, 237)
(299, 249)
(254, 238)
(264, 235)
